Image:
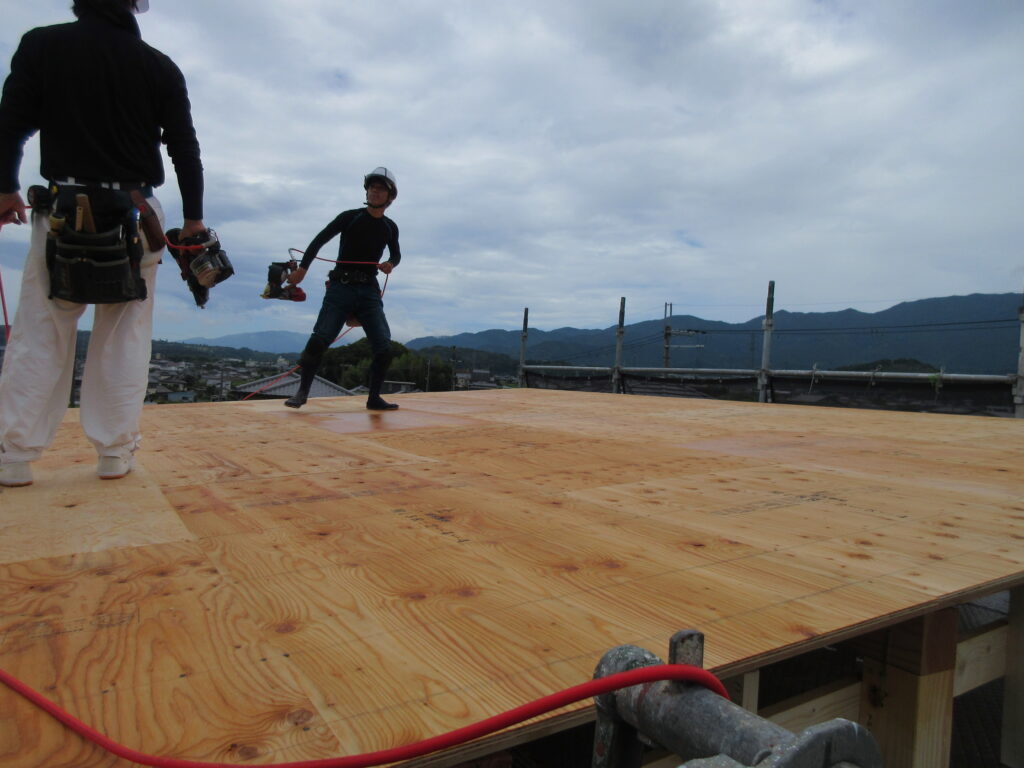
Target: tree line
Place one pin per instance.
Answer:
(349, 367)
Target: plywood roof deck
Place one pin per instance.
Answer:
(274, 585)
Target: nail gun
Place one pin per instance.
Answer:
(277, 277)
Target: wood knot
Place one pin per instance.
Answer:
(248, 752)
(807, 632)
(300, 716)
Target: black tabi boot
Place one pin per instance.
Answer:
(302, 393)
(378, 368)
(309, 363)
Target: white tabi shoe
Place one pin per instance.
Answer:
(114, 467)
(16, 474)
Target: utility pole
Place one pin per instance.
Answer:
(669, 333)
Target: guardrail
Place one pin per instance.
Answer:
(767, 376)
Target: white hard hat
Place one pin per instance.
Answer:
(381, 173)
(140, 6)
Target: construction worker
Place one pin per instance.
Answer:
(102, 101)
(352, 288)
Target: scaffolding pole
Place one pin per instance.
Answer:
(764, 394)
(1018, 388)
(522, 347)
(620, 332)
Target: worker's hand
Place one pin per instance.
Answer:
(12, 209)
(386, 267)
(191, 228)
(295, 276)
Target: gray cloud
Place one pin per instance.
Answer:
(859, 154)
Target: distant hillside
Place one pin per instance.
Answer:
(262, 341)
(179, 350)
(961, 334)
(182, 350)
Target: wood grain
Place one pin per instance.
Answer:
(275, 585)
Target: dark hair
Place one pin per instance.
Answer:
(103, 7)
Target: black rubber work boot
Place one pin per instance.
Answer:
(309, 363)
(302, 393)
(378, 368)
(298, 399)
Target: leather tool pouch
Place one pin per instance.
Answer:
(93, 249)
(149, 223)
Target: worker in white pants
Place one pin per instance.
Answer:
(104, 104)
(35, 383)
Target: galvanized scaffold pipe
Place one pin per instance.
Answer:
(764, 381)
(522, 346)
(1018, 389)
(706, 730)
(620, 334)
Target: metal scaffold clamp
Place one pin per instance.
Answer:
(706, 730)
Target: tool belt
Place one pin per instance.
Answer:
(351, 277)
(93, 249)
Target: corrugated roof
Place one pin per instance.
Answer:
(285, 386)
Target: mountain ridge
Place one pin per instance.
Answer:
(976, 333)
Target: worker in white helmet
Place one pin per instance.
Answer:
(352, 289)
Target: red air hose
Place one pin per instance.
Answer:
(548, 703)
(289, 372)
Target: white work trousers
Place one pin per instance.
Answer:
(39, 365)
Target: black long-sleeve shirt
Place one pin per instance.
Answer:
(103, 101)
(363, 238)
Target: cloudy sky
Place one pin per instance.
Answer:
(558, 156)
